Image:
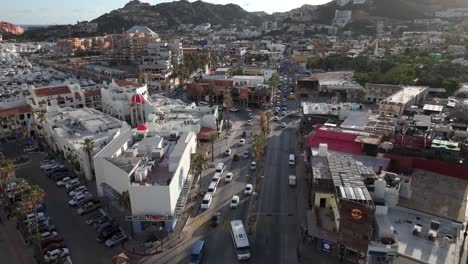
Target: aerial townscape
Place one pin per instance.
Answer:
(198, 132)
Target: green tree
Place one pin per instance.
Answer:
(199, 164)
(228, 105)
(213, 137)
(123, 200)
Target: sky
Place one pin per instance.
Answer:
(50, 12)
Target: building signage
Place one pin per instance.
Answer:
(357, 214)
(149, 218)
(326, 246)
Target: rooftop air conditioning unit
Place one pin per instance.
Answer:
(431, 235)
(417, 229)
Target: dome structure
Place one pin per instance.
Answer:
(138, 99)
(142, 127)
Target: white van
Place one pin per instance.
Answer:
(292, 159)
(212, 188)
(220, 167)
(216, 177)
(206, 202)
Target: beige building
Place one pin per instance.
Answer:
(377, 92)
(398, 102)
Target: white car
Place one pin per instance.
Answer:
(48, 234)
(32, 217)
(234, 202)
(276, 119)
(253, 165)
(206, 202)
(64, 181)
(277, 109)
(233, 109)
(228, 177)
(241, 142)
(49, 164)
(248, 189)
(228, 152)
(71, 183)
(55, 254)
(246, 154)
(116, 239)
(249, 122)
(79, 198)
(78, 189)
(283, 125)
(248, 109)
(250, 115)
(283, 113)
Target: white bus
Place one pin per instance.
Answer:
(240, 240)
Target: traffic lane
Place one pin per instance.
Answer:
(79, 237)
(270, 242)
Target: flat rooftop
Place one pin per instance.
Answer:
(418, 246)
(437, 194)
(405, 95)
(334, 78)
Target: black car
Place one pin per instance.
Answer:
(100, 221)
(216, 219)
(244, 134)
(59, 176)
(56, 171)
(107, 233)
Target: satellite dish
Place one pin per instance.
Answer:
(386, 145)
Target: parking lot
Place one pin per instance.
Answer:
(79, 237)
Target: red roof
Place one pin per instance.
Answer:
(88, 93)
(337, 141)
(142, 127)
(15, 110)
(123, 83)
(51, 91)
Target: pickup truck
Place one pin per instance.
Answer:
(292, 180)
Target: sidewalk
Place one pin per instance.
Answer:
(12, 246)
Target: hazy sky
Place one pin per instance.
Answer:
(70, 11)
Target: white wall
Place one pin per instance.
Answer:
(151, 200)
(110, 174)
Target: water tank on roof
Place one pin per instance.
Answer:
(323, 150)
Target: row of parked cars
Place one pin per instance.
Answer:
(85, 203)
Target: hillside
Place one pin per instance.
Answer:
(9, 28)
(170, 15)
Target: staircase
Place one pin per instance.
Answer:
(184, 193)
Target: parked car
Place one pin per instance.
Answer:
(228, 177)
(248, 189)
(31, 217)
(103, 226)
(53, 246)
(55, 254)
(234, 202)
(233, 109)
(56, 171)
(88, 208)
(249, 122)
(72, 184)
(101, 220)
(79, 198)
(48, 234)
(107, 233)
(246, 154)
(283, 125)
(116, 239)
(250, 115)
(60, 176)
(51, 240)
(78, 189)
(276, 119)
(32, 148)
(241, 142)
(64, 181)
(244, 134)
(95, 217)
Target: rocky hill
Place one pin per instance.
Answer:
(10, 28)
(170, 15)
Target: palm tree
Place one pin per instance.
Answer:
(199, 164)
(88, 147)
(228, 105)
(35, 196)
(213, 137)
(124, 200)
(258, 150)
(6, 172)
(264, 122)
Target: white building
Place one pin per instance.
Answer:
(125, 100)
(247, 80)
(66, 129)
(154, 170)
(338, 82)
(397, 103)
(16, 119)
